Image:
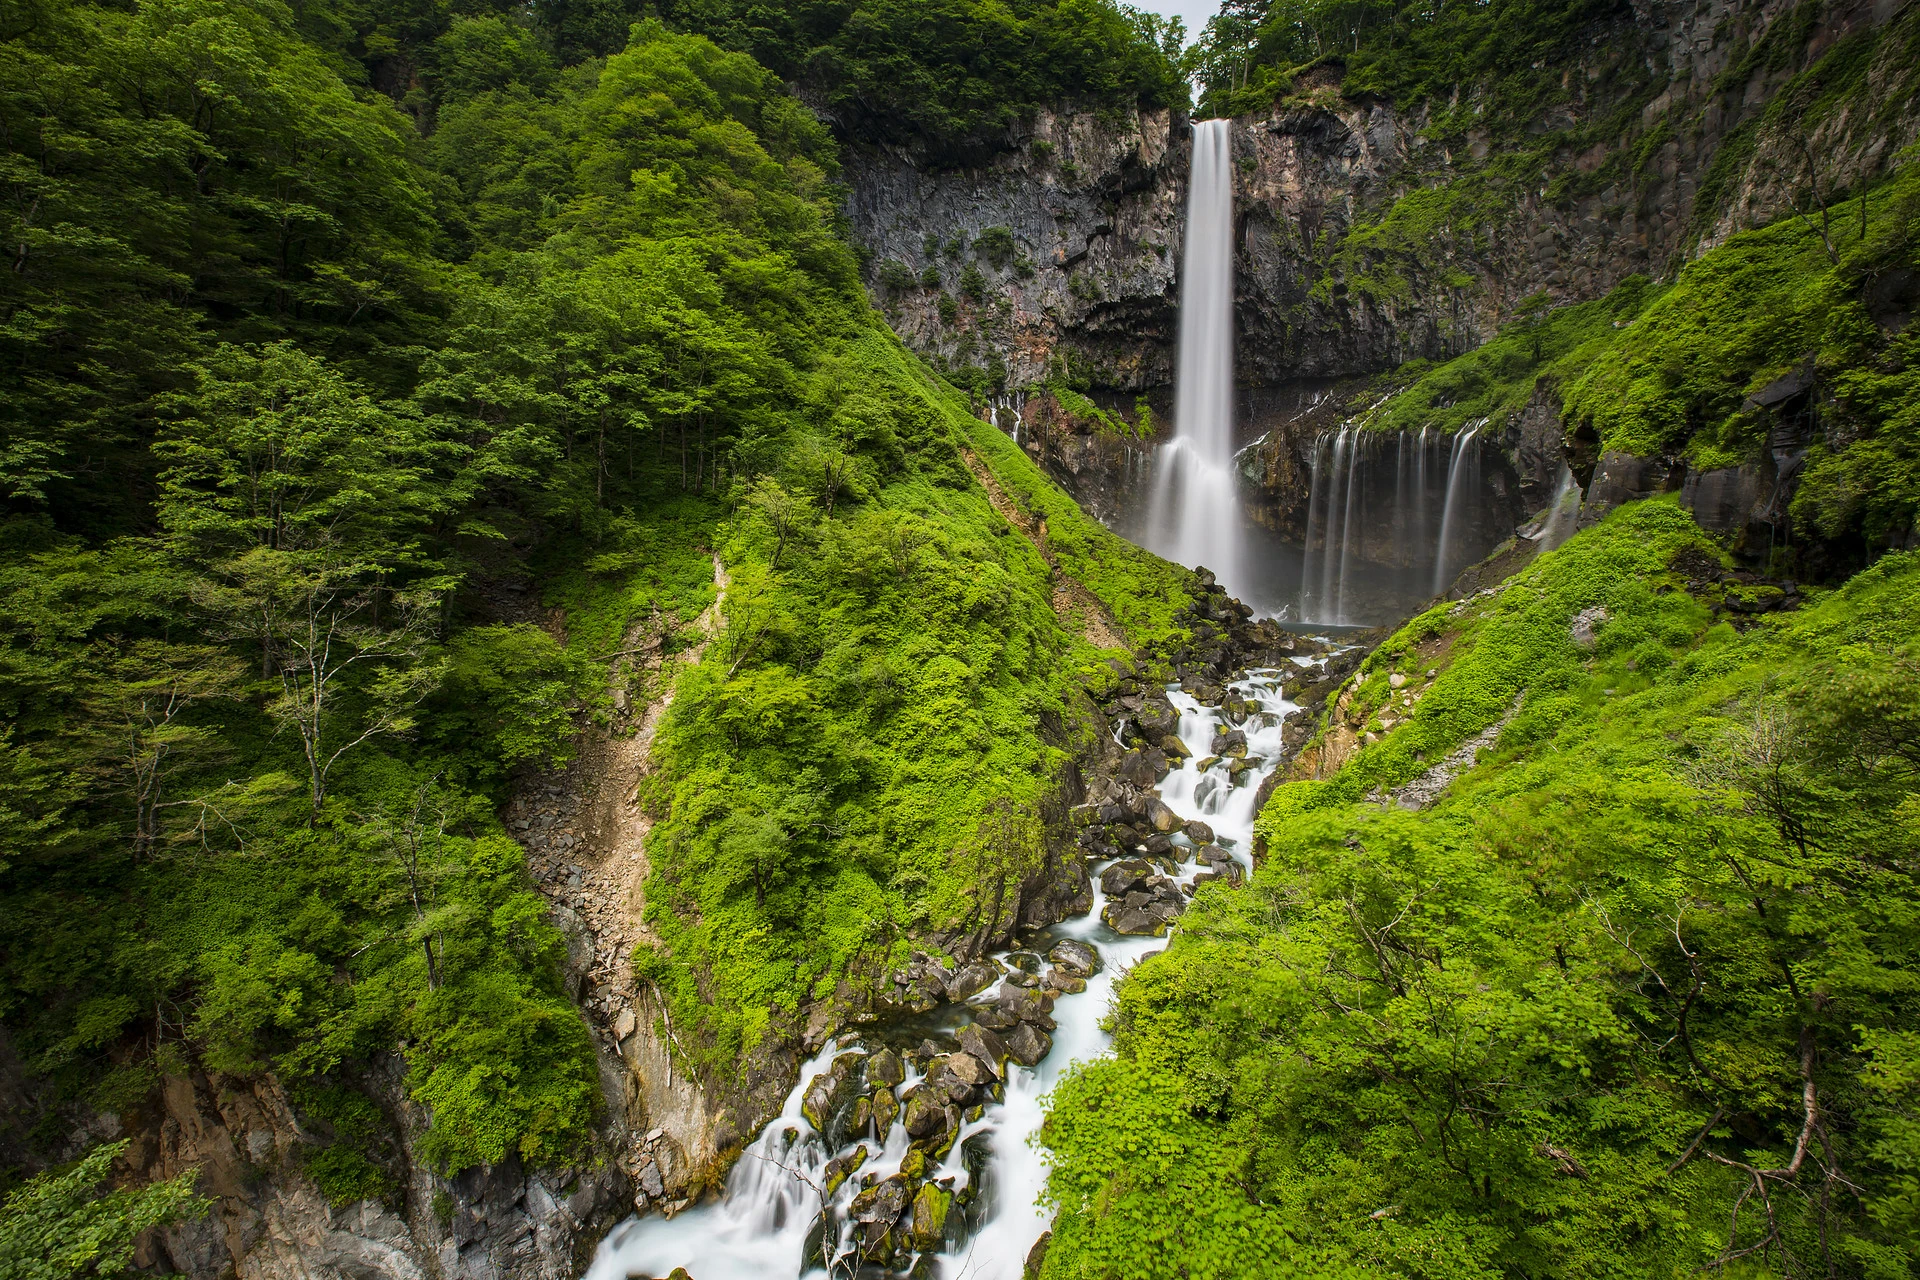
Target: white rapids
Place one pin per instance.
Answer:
(773, 1221)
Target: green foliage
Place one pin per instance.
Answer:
(1493, 382)
(57, 1226)
(1567, 1019)
(345, 1169)
(996, 247)
(167, 182)
(299, 403)
(478, 54)
(1669, 370)
(1252, 52)
(953, 76)
(513, 689)
(855, 757)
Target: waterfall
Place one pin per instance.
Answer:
(1463, 486)
(1563, 513)
(1195, 510)
(1378, 542)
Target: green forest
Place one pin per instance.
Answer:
(379, 378)
(304, 376)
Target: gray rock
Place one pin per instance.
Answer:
(983, 1044)
(1076, 957)
(971, 979)
(883, 1202)
(1027, 1044)
(1228, 742)
(885, 1068)
(1585, 630)
(1120, 877)
(925, 1112)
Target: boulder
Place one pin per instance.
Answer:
(1228, 742)
(971, 979)
(885, 1068)
(840, 1168)
(1027, 1044)
(883, 1202)
(995, 1018)
(1136, 769)
(1163, 817)
(1058, 979)
(1585, 630)
(1028, 1005)
(983, 1044)
(1175, 749)
(1147, 909)
(1075, 957)
(1119, 877)
(650, 1180)
(929, 1227)
(976, 1073)
(926, 1114)
(822, 1096)
(885, 1108)
(1157, 716)
(1199, 832)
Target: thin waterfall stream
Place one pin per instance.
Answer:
(1194, 515)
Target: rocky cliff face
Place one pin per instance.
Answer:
(1073, 236)
(1364, 242)
(1364, 239)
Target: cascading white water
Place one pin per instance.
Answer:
(764, 1225)
(1563, 514)
(1195, 513)
(1463, 487)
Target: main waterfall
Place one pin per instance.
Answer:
(1195, 513)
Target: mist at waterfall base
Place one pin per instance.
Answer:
(1386, 521)
(775, 1220)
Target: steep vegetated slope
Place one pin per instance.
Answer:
(1633, 993)
(349, 451)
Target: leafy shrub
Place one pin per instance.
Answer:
(995, 245)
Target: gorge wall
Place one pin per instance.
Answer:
(1370, 234)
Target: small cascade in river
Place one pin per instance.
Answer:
(1195, 516)
(859, 1197)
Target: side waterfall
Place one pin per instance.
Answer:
(1195, 511)
(1357, 553)
(1463, 483)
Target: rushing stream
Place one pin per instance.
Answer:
(778, 1218)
